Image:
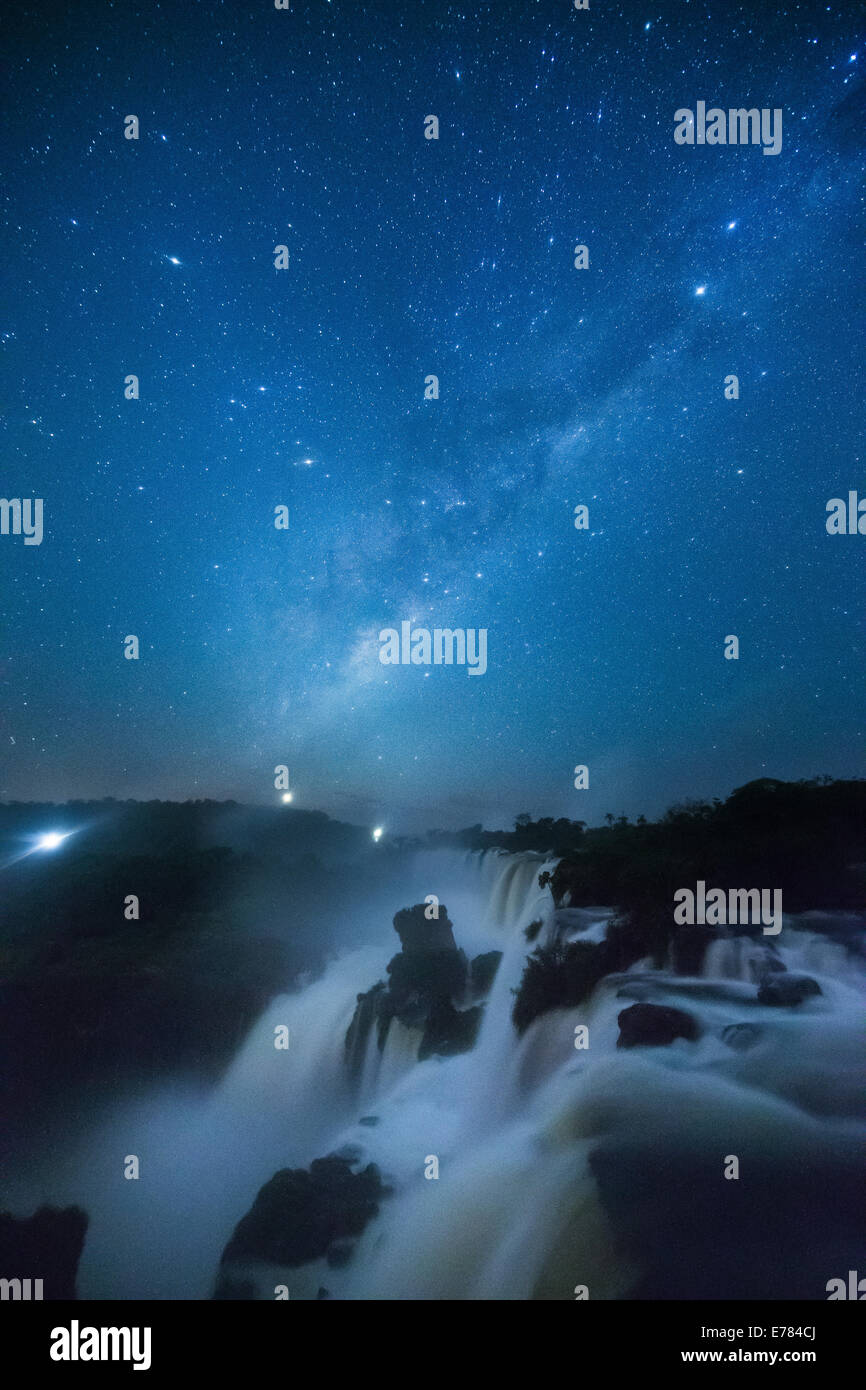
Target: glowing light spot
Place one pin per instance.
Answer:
(287, 797)
(51, 840)
(378, 833)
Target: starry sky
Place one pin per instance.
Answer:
(305, 387)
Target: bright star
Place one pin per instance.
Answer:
(173, 259)
(731, 226)
(701, 289)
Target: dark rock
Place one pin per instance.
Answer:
(44, 1246)
(642, 930)
(368, 1011)
(482, 972)
(418, 980)
(449, 1030)
(350, 1153)
(418, 933)
(688, 947)
(654, 1025)
(784, 990)
(741, 1036)
(558, 977)
(299, 1214)
(531, 932)
(566, 883)
(427, 982)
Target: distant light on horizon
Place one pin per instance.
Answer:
(378, 833)
(51, 840)
(287, 797)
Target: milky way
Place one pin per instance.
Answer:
(305, 388)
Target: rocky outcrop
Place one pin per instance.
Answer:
(419, 979)
(786, 990)
(559, 977)
(565, 882)
(427, 986)
(302, 1215)
(654, 1025)
(448, 1031)
(419, 933)
(482, 973)
(369, 1010)
(44, 1246)
(563, 974)
(689, 945)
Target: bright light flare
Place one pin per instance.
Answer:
(378, 833)
(51, 840)
(287, 797)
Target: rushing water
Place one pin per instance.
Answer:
(558, 1167)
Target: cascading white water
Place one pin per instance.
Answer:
(516, 1125)
(515, 1211)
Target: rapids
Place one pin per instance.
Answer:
(558, 1167)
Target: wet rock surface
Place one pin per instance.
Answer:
(786, 990)
(655, 1025)
(303, 1215)
(428, 983)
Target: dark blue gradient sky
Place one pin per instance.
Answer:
(305, 387)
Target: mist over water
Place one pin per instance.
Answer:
(557, 1167)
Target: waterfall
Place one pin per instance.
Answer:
(526, 1131)
(558, 1167)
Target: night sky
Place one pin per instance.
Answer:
(305, 387)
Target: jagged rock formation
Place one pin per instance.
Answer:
(429, 983)
(299, 1216)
